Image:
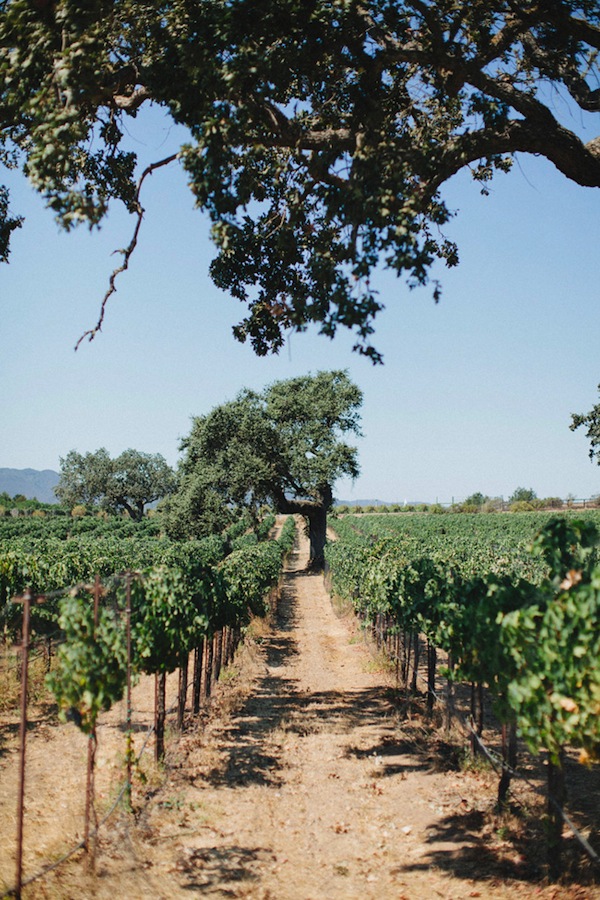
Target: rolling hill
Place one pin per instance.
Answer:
(32, 483)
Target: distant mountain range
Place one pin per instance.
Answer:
(32, 483)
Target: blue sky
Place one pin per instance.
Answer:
(475, 394)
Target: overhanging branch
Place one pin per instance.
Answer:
(131, 102)
(578, 161)
(91, 333)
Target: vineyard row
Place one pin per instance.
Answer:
(533, 642)
(150, 621)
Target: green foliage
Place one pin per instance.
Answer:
(555, 655)
(477, 499)
(288, 535)
(83, 478)
(91, 670)
(8, 223)
(591, 421)
(185, 596)
(320, 134)
(566, 544)
(282, 448)
(248, 575)
(197, 508)
(27, 506)
(128, 483)
(311, 413)
(54, 553)
(522, 495)
(170, 615)
(554, 644)
(520, 506)
(517, 611)
(250, 572)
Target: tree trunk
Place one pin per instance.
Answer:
(315, 512)
(317, 533)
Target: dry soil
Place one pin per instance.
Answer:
(307, 780)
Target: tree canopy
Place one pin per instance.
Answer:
(591, 421)
(321, 132)
(476, 499)
(281, 447)
(127, 483)
(522, 495)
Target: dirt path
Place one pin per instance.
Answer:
(308, 787)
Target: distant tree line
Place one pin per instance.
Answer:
(23, 504)
(521, 500)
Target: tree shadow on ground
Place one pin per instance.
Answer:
(252, 739)
(251, 756)
(278, 706)
(222, 869)
(392, 756)
(488, 844)
(458, 845)
(44, 714)
(466, 843)
(279, 646)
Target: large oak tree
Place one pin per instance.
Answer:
(127, 483)
(281, 447)
(321, 132)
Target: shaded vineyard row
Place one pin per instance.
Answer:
(523, 622)
(150, 621)
(176, 595)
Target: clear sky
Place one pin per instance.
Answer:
(476, 393)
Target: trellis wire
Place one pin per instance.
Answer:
(81, 845)
(90, 834)
(469, 731)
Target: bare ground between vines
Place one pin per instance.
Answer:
(307, 780)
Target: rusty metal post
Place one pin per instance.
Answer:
(160, 684)
(450, 694)
(128, 789)
(208, 667)
(431, 672)
(89, 793)
(22, 739)
(182, 692)
(90, 810)
(198, 659)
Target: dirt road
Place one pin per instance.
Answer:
(307, 785)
